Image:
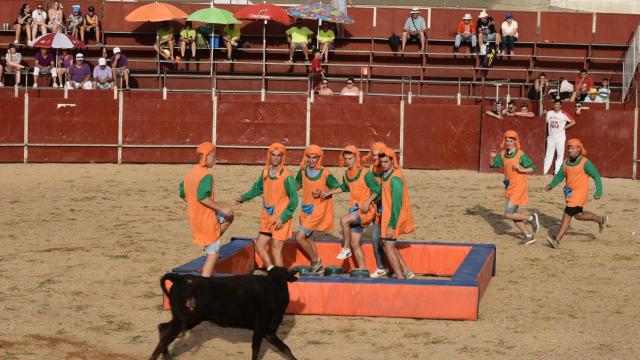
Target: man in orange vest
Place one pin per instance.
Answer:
(577, 170)
(363, 191)
(279, 201)
(397, 218)
(516, 166)
(209, 219)
(317, 213)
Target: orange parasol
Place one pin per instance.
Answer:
(156, 12)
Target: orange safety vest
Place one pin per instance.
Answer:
(359, 192)
(405, 220)
(516, 190)
(205, 227)
(274, 201)
(578, 182)
(316, 214)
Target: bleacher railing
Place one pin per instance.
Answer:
(631, 59)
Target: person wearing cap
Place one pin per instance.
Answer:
(39, 23)
(576, 170)
(558, 121)
(299, 37)
(466, 33)
(498, 111)
(486, 32)
(415, 29)
(316, 213)
(209, 219)
(188, 37)
(231, 37)
(517, 166)
(91, 22)
(279, 201)
(119, 66)
(75, 21)
(594, 96)
(509, 33)
(511, 108)
(79, 76)
(397, 217)
(524, 111)
(63, 63)
(102, 75)
(44, 64)
(364, 191)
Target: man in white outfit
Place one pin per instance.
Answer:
(558, 121)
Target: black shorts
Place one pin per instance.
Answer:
(265, 233)
(573, 211)
(415, 38)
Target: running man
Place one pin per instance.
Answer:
(516, 166)
(577, 170)
(317, 213)
(209, 219)
(558, 121)
(279, 201)
(364, 191)
(397, 218)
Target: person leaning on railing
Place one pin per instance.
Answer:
(119, 66)
(539, 87)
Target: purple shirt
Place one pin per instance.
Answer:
(66, 62)
(122, 61)
(102, 74)
(78, 74)
(44, 61)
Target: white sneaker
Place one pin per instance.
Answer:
(1, 84)
(379, 273)
(35, 85)
(344, 254)
(55, 85)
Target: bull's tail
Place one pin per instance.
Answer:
(173, 277)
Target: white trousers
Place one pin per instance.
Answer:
(53, 71)
(555, 145)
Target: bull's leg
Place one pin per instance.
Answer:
(168, 332)
(258, 334)
(278, 343)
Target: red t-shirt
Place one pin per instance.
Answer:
(316, 65)
(585, 86)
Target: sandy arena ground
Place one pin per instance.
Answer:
(83, 247)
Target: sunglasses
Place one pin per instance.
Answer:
(349, 83)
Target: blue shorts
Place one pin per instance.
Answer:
(356, 227)
(220, 217)
(306, 231)
(511, 208)
(212, 248)
(490, 37)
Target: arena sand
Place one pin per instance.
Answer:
(83, 247)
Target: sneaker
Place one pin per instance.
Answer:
(35, 85)
(344, 254)
(290, 61)
(1, 84)
(554, 243)
(527, 240)
(535, 223)
(306, 61)
(55, 86)
(15, 42)
(316, 266)
(409, 275)
(379, 273)
(228, 60)
(605, 220)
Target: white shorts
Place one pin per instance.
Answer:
(76, 85)
(37, 71)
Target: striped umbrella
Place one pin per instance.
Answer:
(319, 11)
(57, 41)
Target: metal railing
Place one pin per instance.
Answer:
(631, 59)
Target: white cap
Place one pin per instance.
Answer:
(116, 50)
(102, 61)
(79, 56)
(483, 13)
(415, 10)
(466, 17)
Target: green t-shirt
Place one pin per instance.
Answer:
(204, 188)
(233, 34)
(396, 197)
(324, 36)
(188, 34)
(299, 35)
(165, 33)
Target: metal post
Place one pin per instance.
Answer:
(214, 132)
(25, 154)
(120, 122)
(635, 143)
(402, 133)
(307, 137)
(459, 95)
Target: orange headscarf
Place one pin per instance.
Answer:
(312, 150)
(376, 146)
(350, 149)
(510, 134)
(205, 148)
(272, 148)
(578, 144)
(392, 155)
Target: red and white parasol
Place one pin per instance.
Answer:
(57, 41)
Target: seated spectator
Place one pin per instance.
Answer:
(604, 92)
(102, 76)
(299, 37)
(324, 88)
(187, 37)
(511, 108)
(326, 37)
(13, 61)
(563, 91)
(79, 76)
(583, 84)
(75, 21)
(317, 71)
(44, 64)
(231, 36)
(23, 23)
(539, 87)
(350, 89)
(90, 23)
(466, 33)
(593, 97)
(509, 34)
(415, 29)
(497, 111)
(524, 111)
(39, 22)
(119, 66)
(1, 72)
(164, 41)
(486, 32)
(63, 63)
(56, 18)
